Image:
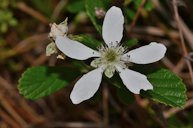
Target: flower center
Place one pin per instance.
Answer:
(110, 55)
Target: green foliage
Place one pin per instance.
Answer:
(45, 6)
(6, 15)
(76, 6)
(87, 40)
(125, 96)
(175, 122)
(91, 6)
(129, 13)
(80, 65)
(6, 20)
(168, 88)
(37, 82)
(2, 41)
(115, 80)
(131, 43)
(137, 3)
(131, 7)
(149, 5)
(6, 3)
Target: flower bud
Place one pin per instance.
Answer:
(51, 49)
(58, 30)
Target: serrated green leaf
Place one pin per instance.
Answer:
(168, 88)
(90, 6)
(38, 82)
(88, 41)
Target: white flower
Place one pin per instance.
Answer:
(56, 30)
(110, 58)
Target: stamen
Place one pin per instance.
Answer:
(110, 57)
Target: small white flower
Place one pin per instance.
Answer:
(110, 58)
(56, 30)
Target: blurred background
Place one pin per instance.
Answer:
(24, 28)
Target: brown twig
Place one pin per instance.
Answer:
(23, 7)
(9, 120)
(136, 16)
(106, 106)
(58, 9)
(12, 112)
(173, 111)
(25, 45)
(73, 125)
(185, 52)
(187, 33)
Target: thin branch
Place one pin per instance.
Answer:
(106, 106)
(172, 111)
(23, 7)
(136, 16)
(185, 52)
(58, 9)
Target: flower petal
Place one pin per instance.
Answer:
(74, 49)
(86, 87)
(146, 54)
(112, 30)
(134, 81)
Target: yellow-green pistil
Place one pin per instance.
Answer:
(110, 57)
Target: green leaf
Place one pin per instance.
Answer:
(91, 5)
(129, 13)
(131, 43)
(76, 6)
(137, 3)
(80, 65)
(37, 82)
(88, 41)
(149, 5)
(168, 88)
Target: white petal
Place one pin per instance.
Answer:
(86, 87)
(134, 81)
(113, 26)
(74, 49)
(146, 54)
